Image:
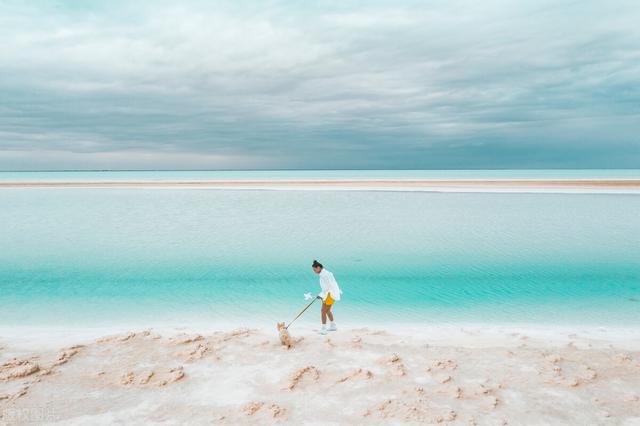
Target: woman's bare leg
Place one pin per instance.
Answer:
(323, 312)
(329, 314)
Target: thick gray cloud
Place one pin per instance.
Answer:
(455, 84)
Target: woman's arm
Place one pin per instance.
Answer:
(324, 288)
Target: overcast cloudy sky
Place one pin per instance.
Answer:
(321, 85)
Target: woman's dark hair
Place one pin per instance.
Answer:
(317, 264)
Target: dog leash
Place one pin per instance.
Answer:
(301, 312)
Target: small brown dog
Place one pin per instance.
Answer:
(285, 337)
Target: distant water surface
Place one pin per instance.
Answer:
(113, 256)
(317, 174)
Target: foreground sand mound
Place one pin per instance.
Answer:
(17, 369)
(355, 377)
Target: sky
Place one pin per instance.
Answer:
(319, 85)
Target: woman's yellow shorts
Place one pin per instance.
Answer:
(329, 300)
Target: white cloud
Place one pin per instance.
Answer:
(278, 78)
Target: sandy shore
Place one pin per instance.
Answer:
(355, 376)
(471, 185)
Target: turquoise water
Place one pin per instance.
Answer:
(118, 256)
(319, 174)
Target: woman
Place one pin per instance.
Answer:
(329, 295)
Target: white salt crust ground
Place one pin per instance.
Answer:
(471, 374)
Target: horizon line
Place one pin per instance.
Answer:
(301, 170)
